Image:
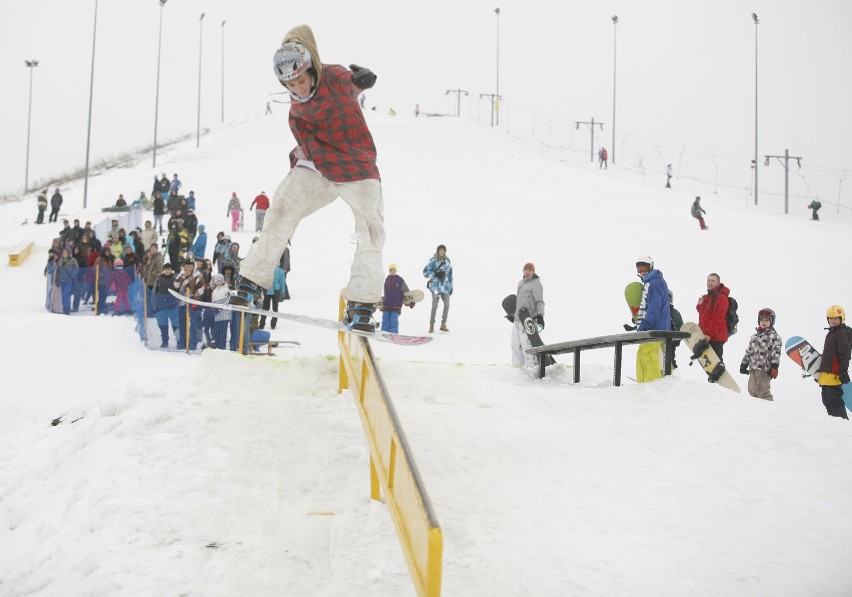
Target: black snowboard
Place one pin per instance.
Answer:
(530, 327)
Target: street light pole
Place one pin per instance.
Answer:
(756, 22)
(157, 94)
(614, 54)
(91, 95)
(497, 93)
(200, 39)
(31, 64)
(223, 71)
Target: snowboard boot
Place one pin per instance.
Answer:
(248, 294)
(432, 328)
(359, 316)
(444, 327)
(164, 332)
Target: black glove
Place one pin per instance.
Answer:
(440, 274)
(540, 321)
(629, 328)
(844, 377)
(744, 368)
(362, 77)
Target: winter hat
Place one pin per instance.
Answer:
(218, 278)
(118, 263)
(393, 267)
(530, 266)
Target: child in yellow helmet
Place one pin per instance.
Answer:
(834, 369)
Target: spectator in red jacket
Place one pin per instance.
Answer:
(262, 202)
(712, 309)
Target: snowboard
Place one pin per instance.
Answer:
(633, 296)
(411, 297)
(530, 326)
(709, 361)
(329, 324)
(809, 359)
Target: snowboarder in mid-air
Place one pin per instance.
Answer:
(334, 157)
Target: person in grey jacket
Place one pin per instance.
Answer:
(530, 295)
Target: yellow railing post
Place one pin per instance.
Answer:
(392, 468)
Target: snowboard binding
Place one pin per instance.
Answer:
(248, 294)
(716, 373)
(699, 349)
(359, 316)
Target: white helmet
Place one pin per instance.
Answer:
(290, 61)
(645, 259)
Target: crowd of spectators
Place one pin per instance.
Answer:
(140, 267)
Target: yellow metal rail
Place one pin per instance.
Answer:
(392, 468)
(19, 254)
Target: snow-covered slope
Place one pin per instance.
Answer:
(221, 475)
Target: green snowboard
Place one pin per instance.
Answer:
(633, 296)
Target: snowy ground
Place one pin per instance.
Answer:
(224, 475)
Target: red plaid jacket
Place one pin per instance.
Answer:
(331, 130)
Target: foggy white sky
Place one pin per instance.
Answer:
(685, 71)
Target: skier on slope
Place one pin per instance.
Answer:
(335, 157)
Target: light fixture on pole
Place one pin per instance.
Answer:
(200, 39)
(223, 71)
(614, 53)
(31, 64)
(756, 23)
(91, 95)
(157, 94)
(497, 93)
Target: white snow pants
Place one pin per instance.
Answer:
(302, 192)
(520, 343)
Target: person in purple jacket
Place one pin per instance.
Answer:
(392, 301)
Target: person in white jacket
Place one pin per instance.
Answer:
(220, 295)
(530, 295)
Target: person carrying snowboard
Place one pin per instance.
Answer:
(439, 271)
(654, 314)
(762, 356)
(834, 368)
(712, 310)
(392, 300)
(530, 295)
(335, 156)
(696, 210)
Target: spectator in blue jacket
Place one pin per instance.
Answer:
(654, 314)
(199, 247)
(273, 296)
(439, 271)
(165, 305)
